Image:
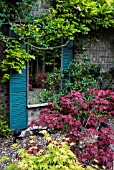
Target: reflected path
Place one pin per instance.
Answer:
(33, 96)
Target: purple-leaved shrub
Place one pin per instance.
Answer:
(81, 119)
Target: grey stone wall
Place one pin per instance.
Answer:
(42, 6)
(100, 50)
(33, 114)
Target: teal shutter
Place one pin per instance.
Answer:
(67, 57)
(18, 99)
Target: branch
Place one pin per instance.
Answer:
(90, 116)
(39, 48)
(16, 38)
(49, 48)
(7, 37)
(15, 21)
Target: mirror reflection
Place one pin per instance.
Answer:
(44, 75)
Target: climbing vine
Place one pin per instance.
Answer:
(41, 29)
(15, 59)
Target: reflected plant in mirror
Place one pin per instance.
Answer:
(44, 75)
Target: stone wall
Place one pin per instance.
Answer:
(43, 6)
(4, 87)
(100, 50)
(33, 114)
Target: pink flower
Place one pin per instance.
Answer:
(101, 93)
(51, 104)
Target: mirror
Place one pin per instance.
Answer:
(42, 71)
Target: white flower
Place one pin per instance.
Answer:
(78, 7)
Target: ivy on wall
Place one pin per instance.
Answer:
(15, 59)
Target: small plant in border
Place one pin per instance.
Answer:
(4, 127)
(57, 156)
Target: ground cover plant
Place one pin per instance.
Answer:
(57, 156)
(4, 126)
(86, 124)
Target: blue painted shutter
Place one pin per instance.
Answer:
(67, 57)
(18, 99)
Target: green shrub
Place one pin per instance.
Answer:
(105, 79)
(4, 127)
(53, 81)
(46, 96)
(82, 75)
(57, 156)
(53, 87)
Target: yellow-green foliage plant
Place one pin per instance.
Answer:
(57, 156)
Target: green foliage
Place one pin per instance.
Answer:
(46, 96)
(11, 10)
(53, 81)
(68, 19)
(82, 75)
(57, 156)
(105, 79)
(53, 87)
(4, 126)
(16, 57)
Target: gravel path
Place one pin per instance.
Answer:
(33, 96)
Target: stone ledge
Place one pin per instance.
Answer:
(37, 105)
(30, 131)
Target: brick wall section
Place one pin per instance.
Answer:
(43, 6)
(101, 51)
(4, 88)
